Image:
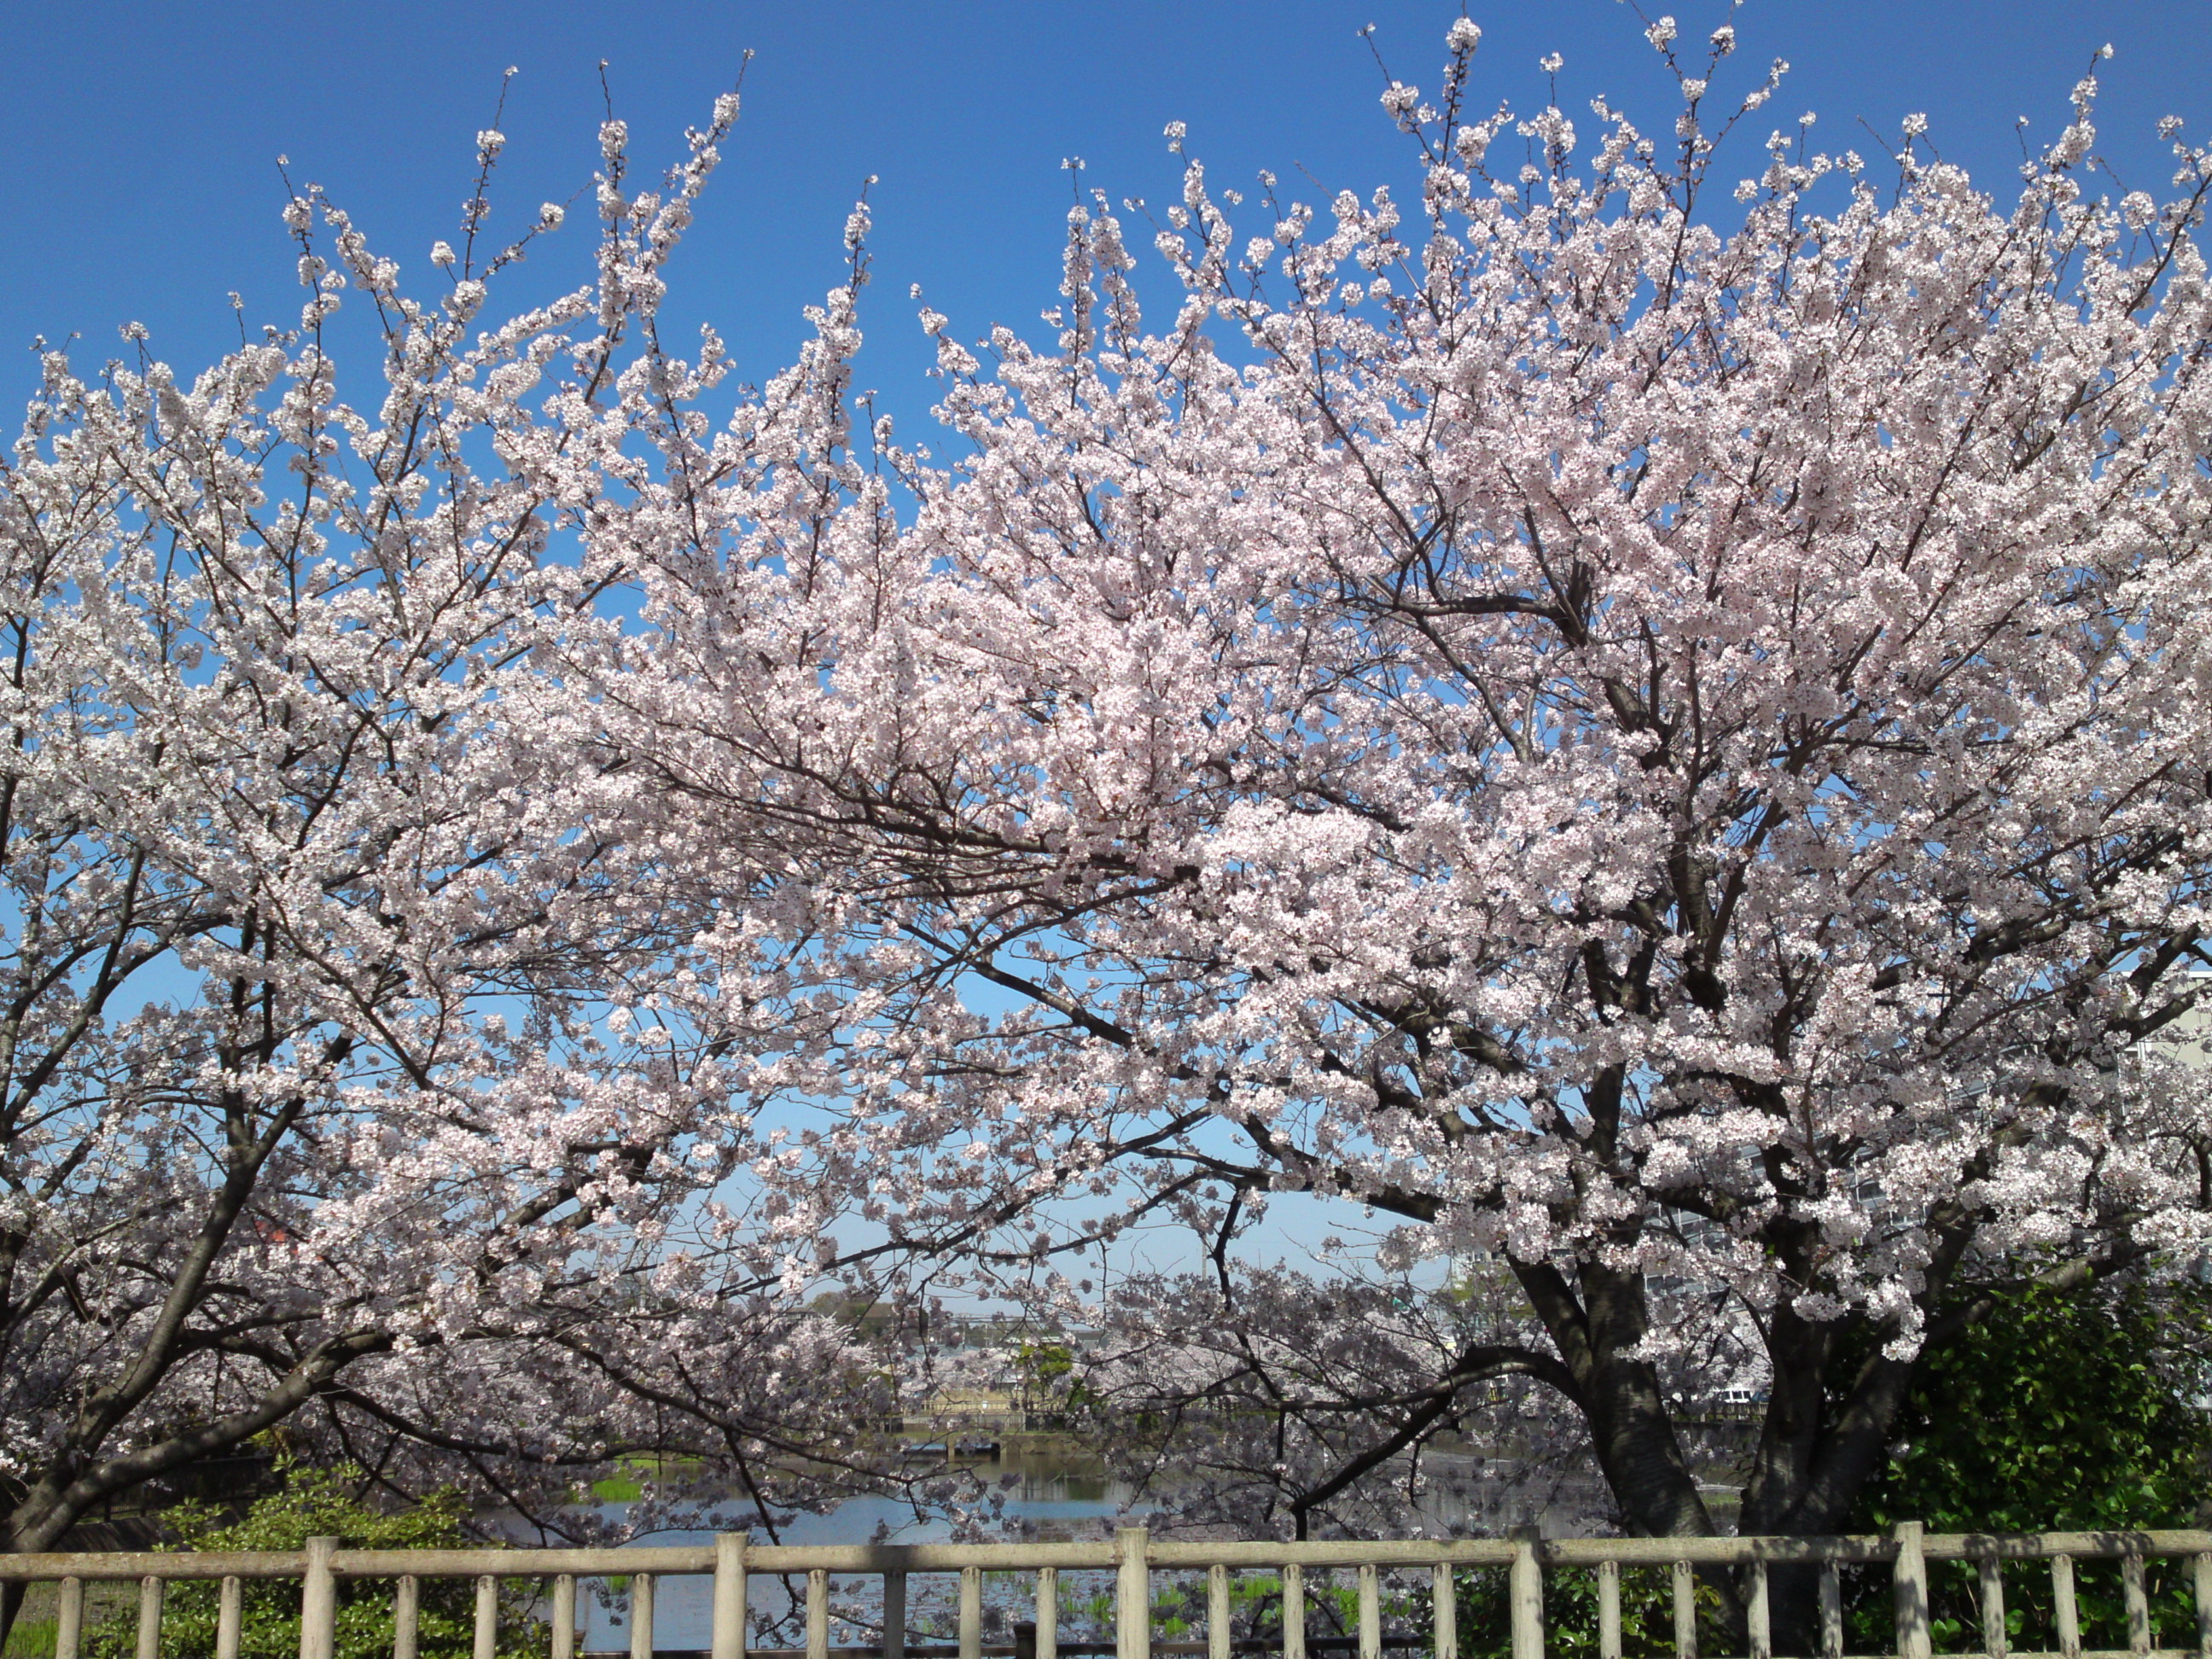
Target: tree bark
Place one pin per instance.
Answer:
(1631, 1428)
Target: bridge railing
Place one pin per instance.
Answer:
(1134, 1557)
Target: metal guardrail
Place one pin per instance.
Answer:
(1133, 1555)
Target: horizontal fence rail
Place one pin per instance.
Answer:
(1737, 1568)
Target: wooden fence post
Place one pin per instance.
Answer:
(1444, 1605)
(1048, 1614)
(406, 1619)
(69, 1618)
(1990, 1569)
(2064, 1615)
(641, 1616)
(1525, 1589)
(817, 1615)
(149, 1618)
(1911, 1585)
(2137, 1601)
(318, 1601)
(894, 1615)
(729, 1638)
(564, 1615)
(1133, 1600)
(971, 1616)
(486, 1643)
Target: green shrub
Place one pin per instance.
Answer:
(2057, 1413)
(313, 1504)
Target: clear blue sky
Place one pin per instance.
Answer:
(141, 137)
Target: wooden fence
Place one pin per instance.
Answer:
(1133, 1558)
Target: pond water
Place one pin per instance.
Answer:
(1048, 1489)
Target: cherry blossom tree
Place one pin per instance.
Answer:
(1656, 737)
(1655, 743)
(307, 1097)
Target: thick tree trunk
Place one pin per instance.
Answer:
(1813, 1459)
(1789, 1440)
(1811, 1465)
(1631, 1428)
(1806, 1470)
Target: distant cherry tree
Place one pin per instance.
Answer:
(308, 1114)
